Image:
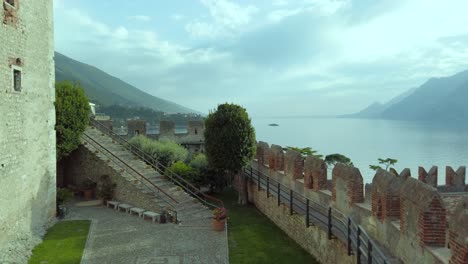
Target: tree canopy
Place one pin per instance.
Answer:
(307, 151)
(72, 116)
(388, 162)
(332, 159)
(229, 139)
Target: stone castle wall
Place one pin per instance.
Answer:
(408, 217)
(27, 135)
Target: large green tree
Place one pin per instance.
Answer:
(72, 116)
(230, 143)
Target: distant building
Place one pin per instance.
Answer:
(27, 135)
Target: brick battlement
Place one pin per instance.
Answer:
(408, 216)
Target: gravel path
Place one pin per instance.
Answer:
(116, 237)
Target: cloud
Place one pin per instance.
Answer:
(140, 18)
(280, 3)
(227, 19)
(177, 17)
(314, 56)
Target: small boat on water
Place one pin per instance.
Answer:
(273, 124)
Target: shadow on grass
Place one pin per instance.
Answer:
(63, 243)
(253, 238)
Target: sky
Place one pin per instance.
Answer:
(273, 57)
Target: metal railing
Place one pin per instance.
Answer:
(166, 198)
(160, 168)
(327, 218)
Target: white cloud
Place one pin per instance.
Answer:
(280, 3)
(177, 17)
(301, 53)
(140, 18)
(227, 19)
(279, 14)
(327, 6)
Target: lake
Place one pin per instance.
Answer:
(413, 144)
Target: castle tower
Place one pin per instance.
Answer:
(27, 135)
(136, 127)
(166, 129)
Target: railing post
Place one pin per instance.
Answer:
(358, 245)
(268, 187)
(279, 194)
(349, 237)
(258, 181)
(251, 174)
(307, 213)
(291, 197)
(369, 252)
(329, 223)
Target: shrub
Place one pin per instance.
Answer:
(183, 170)
(63, 195)
(199, 162)
(166, 152)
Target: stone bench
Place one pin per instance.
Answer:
(114, 204)
(152, 215)
(126, 207)
(138, 211)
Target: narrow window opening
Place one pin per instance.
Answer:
(137, 132)
(17, 80)
(10, 2)
(196, 131)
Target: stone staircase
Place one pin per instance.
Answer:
(190, 212)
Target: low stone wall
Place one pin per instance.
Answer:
(85, 163)
(313, 239)
(407, 217)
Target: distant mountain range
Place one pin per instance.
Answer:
(108, 90)
(438, 99)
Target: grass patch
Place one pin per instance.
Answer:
(253, 238)
(63, 243)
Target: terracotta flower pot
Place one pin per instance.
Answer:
(88, 194)
(218, 225)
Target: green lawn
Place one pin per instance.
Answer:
(63, 243)
(253, 238)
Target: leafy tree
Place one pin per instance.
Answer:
(306, 151)
(230, 143)
(385, 162)
(72, 116)
(332, 159)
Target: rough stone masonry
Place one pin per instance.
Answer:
(27, 135)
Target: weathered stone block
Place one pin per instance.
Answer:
(276, 158)
(293, 165)
(428, 177)
(315, 173)
(262, 152)
(455, 180)
(347, 186)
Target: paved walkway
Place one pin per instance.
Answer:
(116, 237)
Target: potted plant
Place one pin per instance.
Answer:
(219, 218)
(88, 188)
(106, 188)
(62, 196)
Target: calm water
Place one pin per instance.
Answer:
(413, 144)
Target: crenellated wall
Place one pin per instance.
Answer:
(407, 217)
